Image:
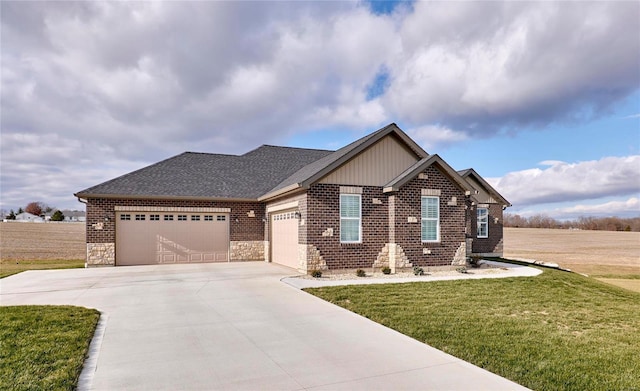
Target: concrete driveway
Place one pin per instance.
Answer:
(236, 326)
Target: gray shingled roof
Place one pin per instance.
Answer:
(204, 175)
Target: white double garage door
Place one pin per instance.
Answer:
(157, 237)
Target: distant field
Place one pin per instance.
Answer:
(613, 257)
(25, 246)
(42, 241)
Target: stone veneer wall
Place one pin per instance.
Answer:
(389, 250)
(312, 258)
(253, 250)
(101, 254)
(452, 219)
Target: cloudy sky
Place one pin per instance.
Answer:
(541, 98)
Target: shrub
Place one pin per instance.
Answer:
(462, 270)
(316, 273)
(386, 270)
(418, 271)
(474, 262)
(360, 273)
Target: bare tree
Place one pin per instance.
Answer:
(37, 208)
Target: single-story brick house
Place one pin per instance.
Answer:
(379, 201)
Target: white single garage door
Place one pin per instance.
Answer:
(284, 238)
(147, 238)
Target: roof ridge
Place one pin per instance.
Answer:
(303, 148)
(207, 153)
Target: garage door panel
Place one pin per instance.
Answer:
(155, 238)
(284, 238)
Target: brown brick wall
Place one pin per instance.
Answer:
(323, 203)
(452, 220)
(246, 229)
(492, 244)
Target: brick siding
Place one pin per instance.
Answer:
(452, 220)
(494, 243)
(323, 212)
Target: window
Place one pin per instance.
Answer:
(221, 218)
(154, 217)
(125, 217)
(430, 230)
(140, 217)
(350, 212)
(182, 217)
(195, 218)
(208, 218)
(483, 222)
(168, 217)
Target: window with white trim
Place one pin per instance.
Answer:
(430, 224)
(195, 218)
(154, 217)
(483, 222)
(168, 217)
(350, 221)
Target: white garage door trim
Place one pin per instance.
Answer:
(284, 238)
(146, 237)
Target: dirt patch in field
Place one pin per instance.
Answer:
(42, 241)
(590, 252)
(633, 285)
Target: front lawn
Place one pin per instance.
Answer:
(44, 347)
(556, 331)
(10, 267)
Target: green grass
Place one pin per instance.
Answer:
(43, 347)
(10, 267)
(556, 331)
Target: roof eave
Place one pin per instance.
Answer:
(88, 196)
(405, 177)
(280, 192)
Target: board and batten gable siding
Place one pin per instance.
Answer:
(482, 196)
(376, 166)
(452, 219)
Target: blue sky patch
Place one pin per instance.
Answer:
(379, 84)
(385, 7)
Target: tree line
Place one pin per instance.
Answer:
(587, 223)
(38, 209)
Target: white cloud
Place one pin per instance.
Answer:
(630, 207)
(118, 84)
(562, 182)
(513, 64)
(431, 136)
